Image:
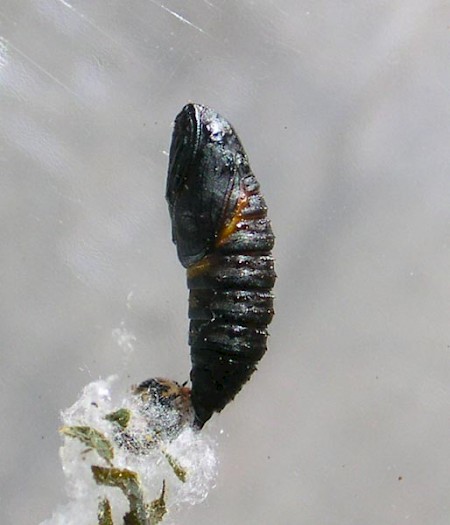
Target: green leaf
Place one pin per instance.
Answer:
(121, 417)
(104, 513)
(178, 470)
(93, 439)
(129, 483)
(158, 507)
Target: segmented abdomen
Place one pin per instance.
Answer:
(224, 240)
(231, 304)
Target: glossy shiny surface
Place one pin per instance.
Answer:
(344, 110)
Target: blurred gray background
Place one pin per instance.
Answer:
(343, 107)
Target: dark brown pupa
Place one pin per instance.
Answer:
(224, 240)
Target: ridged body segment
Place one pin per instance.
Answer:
(215, 198)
